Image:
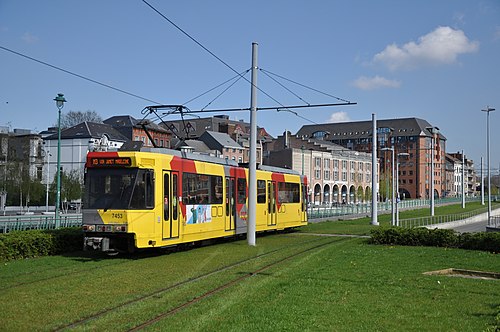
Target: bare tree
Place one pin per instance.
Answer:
(72, 118)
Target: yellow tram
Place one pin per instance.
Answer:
(162, 197)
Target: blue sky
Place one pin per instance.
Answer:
(435, 60)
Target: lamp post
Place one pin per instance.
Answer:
(488, 110)
(302, 149)
(433, 131)
(60, 104)
(393, 199)
(48, 155)
(402, 154)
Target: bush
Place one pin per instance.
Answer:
(35, 243)
(436, 237)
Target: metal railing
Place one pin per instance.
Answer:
(324, 211)
(27, 222)
(494, 222)
(426, 221)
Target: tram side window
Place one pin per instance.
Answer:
(201, 188)
(261, 191)
(288, 192)
(143, 196)
(242, 191)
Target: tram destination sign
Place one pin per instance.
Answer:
(110, 162)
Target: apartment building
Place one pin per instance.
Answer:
(336, 175)
(418, 146)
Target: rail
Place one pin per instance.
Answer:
(494, 222)
(324, 211)
(426, 221)
(27, 222)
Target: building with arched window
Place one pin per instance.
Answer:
(336, 175)
(421, 143)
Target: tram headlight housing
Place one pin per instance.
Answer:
(120, 228)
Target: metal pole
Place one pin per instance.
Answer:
(463, 180)
(374, 171)
(252, 167)
(432, 174)
(60, 104)
(58, 171)
(397, 186)
(394, 185)
(48, 177)
(488, 161)
(482, 183)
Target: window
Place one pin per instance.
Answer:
(344, 164)
(242, 191)
(326, 163)
(327, 175)
(129, 188)
(317, 174)
(288, 192)
(336, 175)
(344, 176)
(317, 161)
(201, 188)
(261, 191)
(335, 164)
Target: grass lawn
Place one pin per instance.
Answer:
(343, 285)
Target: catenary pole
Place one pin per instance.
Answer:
(252, 166)
(463, 180)
(374, 171)
(482, 183)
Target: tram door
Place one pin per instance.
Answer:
(170, 219)
(230, 203)
(272, 216)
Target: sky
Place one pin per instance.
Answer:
(437, 60)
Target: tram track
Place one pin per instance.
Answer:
(224, 286)
(178, 285)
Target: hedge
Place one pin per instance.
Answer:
(487, 241)
(35, 243)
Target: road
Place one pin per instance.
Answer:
(474, 227)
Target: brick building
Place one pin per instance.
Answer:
(418, 138)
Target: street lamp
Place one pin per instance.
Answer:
(393, 199)
(433, 131)
(402, 154)
(60, 104)
(488, 110)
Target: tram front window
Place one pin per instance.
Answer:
(121, 189)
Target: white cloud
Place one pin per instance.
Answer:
(376, 82)
(29, 38)
(441, 46)
(339, 117)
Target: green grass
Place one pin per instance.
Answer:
(344, 285)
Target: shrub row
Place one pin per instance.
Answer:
(35, 243)
(487, 241)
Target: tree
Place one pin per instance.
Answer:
(71, 186)
(72, 118)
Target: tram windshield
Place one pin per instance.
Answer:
(123, 188)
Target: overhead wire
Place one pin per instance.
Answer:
(78, 75)
(304, 86)
(221, 84)
(207, 50)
